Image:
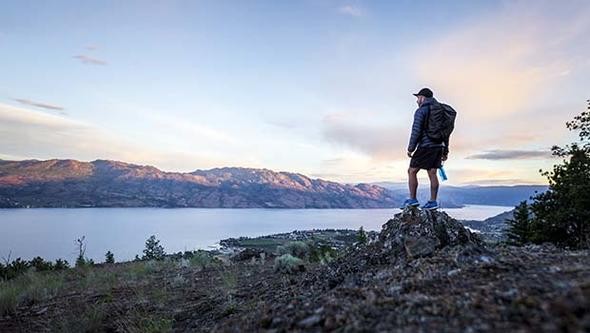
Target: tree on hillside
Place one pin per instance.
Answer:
(520, 230)
(561, 215)
(361, 236)
(109, 257)
(153, 250)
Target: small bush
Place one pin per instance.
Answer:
(16, 268)
(201, 259)
(61, 264)
(84, 262)
(297, 249)
(41, 265)
(288, 264)
(109, 257)
(321, 252)
(8, 299)
(361, 236)
(29, 288)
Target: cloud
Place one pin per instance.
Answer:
(351, 10)
(40, 135)
(39, 104)
(506, 72)
(500, 154)
(187, 128)
(380, 142)
(491, 66)
(88, 60)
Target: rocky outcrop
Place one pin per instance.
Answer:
(427, 273)
(417, 233)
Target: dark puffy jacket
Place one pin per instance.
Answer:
(418, 137)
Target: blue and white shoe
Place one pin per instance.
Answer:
(410, 203)
(431, 204)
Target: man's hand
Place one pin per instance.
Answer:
(410, 154)
(445, 156)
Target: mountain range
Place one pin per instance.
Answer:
(452, 196)
(105, 183)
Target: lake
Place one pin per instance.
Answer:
(52, 232)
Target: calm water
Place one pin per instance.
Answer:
(51, 233)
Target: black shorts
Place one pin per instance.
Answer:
(427, 158)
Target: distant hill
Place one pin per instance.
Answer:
(103, 183)
(493, 228)
(472, 195)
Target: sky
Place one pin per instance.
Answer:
(319, 87)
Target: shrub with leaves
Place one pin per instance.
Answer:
(288, 264)
(297, 249)
(41, 265)
(61, 264)
(361, 237)
(109, 257)
(153, 250)
(321, 252)
(16, 268)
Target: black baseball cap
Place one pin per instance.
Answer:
(424, 92)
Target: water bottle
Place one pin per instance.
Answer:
(442, 173)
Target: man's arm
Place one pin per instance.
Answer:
(446, 149)
(417, 128)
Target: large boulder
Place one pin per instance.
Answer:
(409, 235)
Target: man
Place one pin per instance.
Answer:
(425, 153)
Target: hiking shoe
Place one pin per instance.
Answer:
(410, 203)
(431, 204)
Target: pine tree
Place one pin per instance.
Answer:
(153, 250)
(361, 236)
(562, 213)
(520, 229)
(109, 257)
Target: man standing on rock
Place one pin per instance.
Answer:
(429, 144)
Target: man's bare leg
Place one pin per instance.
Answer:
(413, 181)
(433, 184)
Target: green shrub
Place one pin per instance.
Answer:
(109, 257)
(8, 298)
(41, 265)
(202, 259)
(17, 267)
(361, 237)
(561, 215)
(297, 249)
(84, 262)
(288, 264)
(321, 252)
(29, 288)
(61, 264)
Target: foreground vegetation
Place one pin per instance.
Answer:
(151, 284)
(561, 215)
(372, 284)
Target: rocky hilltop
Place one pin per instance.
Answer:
(427, 273)
(424, 272)
(103, 183)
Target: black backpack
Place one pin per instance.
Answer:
(440, 121)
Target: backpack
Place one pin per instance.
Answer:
(440, 122)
